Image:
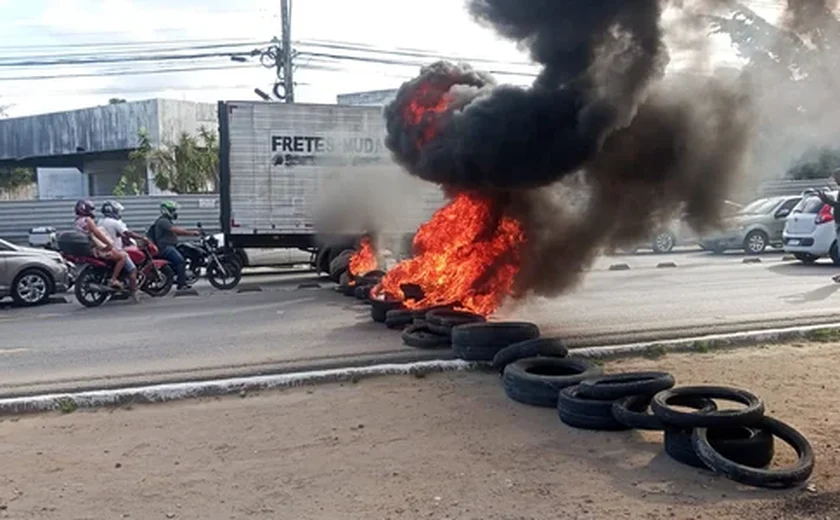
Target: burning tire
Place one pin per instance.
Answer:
(482, 341)
(441, 321)
(538, 381)
(398, 318)
(578, 411)
(545, 347)
(340, 264)
(379, 309)
(421, 337)
(747, 446)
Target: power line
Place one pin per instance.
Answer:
(118, 53)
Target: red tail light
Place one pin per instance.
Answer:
(825, 215)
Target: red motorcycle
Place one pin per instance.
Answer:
(155, 276)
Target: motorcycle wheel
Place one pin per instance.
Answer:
(161, 287)
(231, 276)
(86, 295)
(193, 269)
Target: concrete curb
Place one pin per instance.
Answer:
(192, 389)
(242, 385)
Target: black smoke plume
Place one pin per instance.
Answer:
(640, 148)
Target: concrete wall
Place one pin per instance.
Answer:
(101, 129)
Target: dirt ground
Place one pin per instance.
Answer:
(446, 446)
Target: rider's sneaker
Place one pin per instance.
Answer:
(135, 297)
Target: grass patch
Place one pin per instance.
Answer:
(66, 405)
(703, 347)
(655, 351)
(823, 335)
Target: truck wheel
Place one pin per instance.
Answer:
(340, 264)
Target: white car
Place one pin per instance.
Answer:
(810, 231)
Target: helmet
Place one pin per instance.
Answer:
(169, 209)
(85, 208)
(112, 209)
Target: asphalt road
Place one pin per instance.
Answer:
(285, 326)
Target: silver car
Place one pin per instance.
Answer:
(30, 276)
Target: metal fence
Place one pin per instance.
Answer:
(18, 217)
(791, 187)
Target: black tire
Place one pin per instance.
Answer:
(227, 280)
(633, 410)
(84, 294)
(361, 292)
(340, 264)
(380, 308)
(664, 242)
(546, 347)
(615, 386)
(398, 318)
(752, 413)
(726, 464)
(538, 381)
(806, 258)
(162, 286)
(441, 321)
(32, 287)
(482, 341)
(596, 413)
(422, 337)
(751, 447)
(756, 242)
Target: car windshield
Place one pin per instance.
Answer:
(759, 207)
(811, 204)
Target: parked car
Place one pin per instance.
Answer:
(679, 233)
(30, 276)
(753, 228)
(809, 232)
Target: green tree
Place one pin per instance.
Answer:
(12, 179)
(133, 180)
(189, 165)
(815, 163)
(116, 101)
(795, 67)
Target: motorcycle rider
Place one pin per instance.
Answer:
(99, 240)
(118, 232)
(165, 235)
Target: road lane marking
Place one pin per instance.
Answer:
(7, 351)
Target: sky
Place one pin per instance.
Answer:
(41, 29)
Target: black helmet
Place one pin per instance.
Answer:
(85, 208)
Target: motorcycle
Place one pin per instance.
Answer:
(155, 276)
(221, 266)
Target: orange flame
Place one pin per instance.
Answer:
(466, 254)
(364, 260)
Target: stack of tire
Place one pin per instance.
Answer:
(735, 443)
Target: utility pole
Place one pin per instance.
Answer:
(286, 50)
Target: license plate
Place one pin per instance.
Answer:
(793, 242)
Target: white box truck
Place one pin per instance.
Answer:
(314, 177)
